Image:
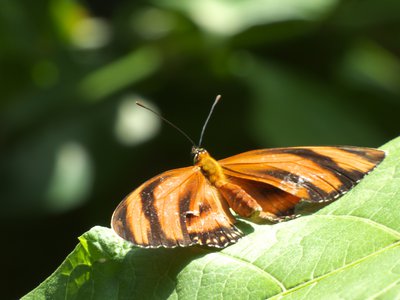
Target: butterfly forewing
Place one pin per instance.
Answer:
(176, 208)
(310, 173)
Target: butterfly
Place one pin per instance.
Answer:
(193, 205)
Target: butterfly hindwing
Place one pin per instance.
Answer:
(273, 202)
(176, 208)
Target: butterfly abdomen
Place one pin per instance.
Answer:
(239, 200)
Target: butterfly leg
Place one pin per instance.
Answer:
(266, 216)
(283, 217)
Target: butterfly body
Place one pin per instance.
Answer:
(194, 205)
(242, 203)
(209, 166)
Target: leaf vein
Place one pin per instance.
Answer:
(375, 296)
(255, 267)
(315, 280)
(365, 220)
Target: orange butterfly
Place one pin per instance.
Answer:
(192, 205)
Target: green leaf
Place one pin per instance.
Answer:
(348, 249)
(228, 18)
(119, 74)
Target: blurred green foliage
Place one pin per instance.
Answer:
(73, 144)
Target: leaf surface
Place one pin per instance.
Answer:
(350, 248)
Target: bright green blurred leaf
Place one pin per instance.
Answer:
(66, 14)
(232, 17)
(133, 124)
(368, 63)
(121, 73)
(72, 178)
(351, 247)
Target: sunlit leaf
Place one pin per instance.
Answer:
(351, 247)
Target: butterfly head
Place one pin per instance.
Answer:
(198, 153)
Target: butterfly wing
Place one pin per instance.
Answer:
(176, 208)
(279, 178)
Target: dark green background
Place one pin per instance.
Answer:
(290, 72)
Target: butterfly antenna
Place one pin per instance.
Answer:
(208, 118)
(166, 121)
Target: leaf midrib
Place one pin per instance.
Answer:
(255, 267)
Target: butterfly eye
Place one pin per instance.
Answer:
(197, 154)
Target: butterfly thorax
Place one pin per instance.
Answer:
(209, 166)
